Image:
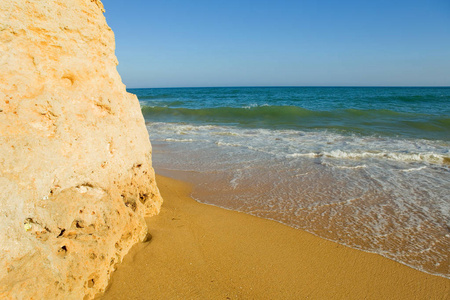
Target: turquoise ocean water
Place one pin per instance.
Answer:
(366, 167)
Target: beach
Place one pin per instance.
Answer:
(251, 151)
(364, 167)
(199, 251)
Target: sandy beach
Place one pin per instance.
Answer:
(302, 150)
(199, 251)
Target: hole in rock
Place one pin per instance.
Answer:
(131, 205)
(90, 283)
(68, 79)
(143, 197)
(62, 251)
(79, 224)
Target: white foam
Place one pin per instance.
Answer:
(228, 144)
(407, 157)
(414, 169)
(179, 140)
(392, 189)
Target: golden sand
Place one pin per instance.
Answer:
(199, 251)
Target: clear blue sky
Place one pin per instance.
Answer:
(180, 43)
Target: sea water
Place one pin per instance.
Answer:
(366, 167)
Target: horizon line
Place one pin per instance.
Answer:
(296, 86)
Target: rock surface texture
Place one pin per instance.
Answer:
(76, 178)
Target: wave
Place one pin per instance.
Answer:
(432, 158)
(266, 111)
(444, 122)
(178, 140)
(309, 144)
(387, 195)
(367, 121)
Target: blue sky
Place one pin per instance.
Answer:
(174, 43)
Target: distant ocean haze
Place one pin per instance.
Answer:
(365, 167)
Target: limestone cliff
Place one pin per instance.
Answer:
(76, 178)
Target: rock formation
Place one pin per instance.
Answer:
(76, 177)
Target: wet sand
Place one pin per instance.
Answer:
(199, 251)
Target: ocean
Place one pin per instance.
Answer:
(366, 167)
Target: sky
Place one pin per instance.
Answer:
(203, 43)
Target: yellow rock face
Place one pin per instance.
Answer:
(76, 178)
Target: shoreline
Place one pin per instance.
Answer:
(176, 175)
(199, 251)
